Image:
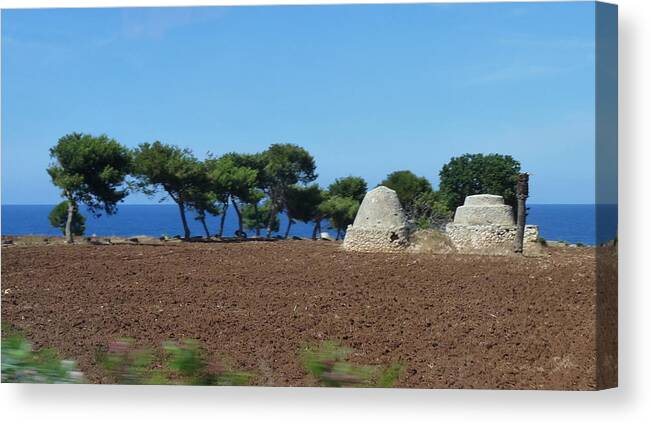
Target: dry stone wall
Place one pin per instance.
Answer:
(376, 239)
(491, 239)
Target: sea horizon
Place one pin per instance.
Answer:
(569, 222)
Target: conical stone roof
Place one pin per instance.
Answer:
(380, 209)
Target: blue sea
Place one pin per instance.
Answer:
(570, 223)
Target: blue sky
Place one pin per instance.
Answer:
(367, 89)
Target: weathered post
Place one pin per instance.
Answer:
(521, 192)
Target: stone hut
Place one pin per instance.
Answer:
(485, 225)
(380, 224)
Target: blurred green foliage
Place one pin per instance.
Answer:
(127, 365)
(20, 364)
(328, 364)
(183, 363)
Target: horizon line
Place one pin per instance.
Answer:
(174, 204)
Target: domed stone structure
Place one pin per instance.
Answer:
(380, 224)
(484, 209)
(485, 225)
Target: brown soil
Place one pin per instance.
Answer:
(454, 321)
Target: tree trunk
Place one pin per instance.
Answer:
(223, 219)
(289, 226)
(522, 192)
(202, 219)
(186, 229)
(239, 216)
(316, 223)
(338, 233)
(272, 213)
(257, 225)
(71, 214)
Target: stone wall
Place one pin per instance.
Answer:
(492, 239)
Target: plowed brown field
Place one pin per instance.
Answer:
(455, 321)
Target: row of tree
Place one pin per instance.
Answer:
(99, 172)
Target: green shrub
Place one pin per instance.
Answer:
(429, 210)
(328, 364)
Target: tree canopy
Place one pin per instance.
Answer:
(90, 170)
(352, 187)
(407, 186)
(289, 164)
(479, 174)
(303, 202)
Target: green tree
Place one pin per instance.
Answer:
(340, 211)
(256, 194)
(258, 216)
(320, 214)
(479, 174)
(202, 199)
(59, 217)
(231, 182)
(407, 186)
(303, 204)
(202, 207)
(174, 170)
(89, 170)
(284, 166)
(237, 180)
(219, 190)
(353, 187)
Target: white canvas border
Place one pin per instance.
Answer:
(23, 403)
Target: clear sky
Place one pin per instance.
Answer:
(367, 89)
